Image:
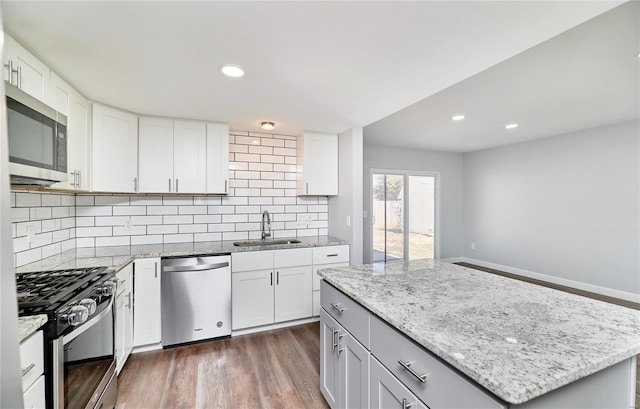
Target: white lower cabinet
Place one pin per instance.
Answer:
(147, 328)
(344, 366)
(270, 286)
(32, 365)
(124, 316)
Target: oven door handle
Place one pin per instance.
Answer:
(88, 324)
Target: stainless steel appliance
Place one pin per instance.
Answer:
(37, 140)
(196, 299)
(79, 336)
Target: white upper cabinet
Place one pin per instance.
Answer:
(317, 164)
(190, 156)
(155, 167)
(69, 102)
(114, 150)
(217, 158)
(25, 71)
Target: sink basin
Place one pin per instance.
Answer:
(264, 242)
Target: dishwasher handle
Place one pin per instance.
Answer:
(195, 267)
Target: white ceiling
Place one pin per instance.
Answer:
(321, 66)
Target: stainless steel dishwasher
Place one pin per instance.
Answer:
(196, 299)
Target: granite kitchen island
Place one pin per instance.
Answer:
(454, 337)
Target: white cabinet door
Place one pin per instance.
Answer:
(155, 155)
(114, 150)
(31, 75)
(293, 293)
(34, 397)
(329, 365)
(69, 102)
(217, 158)
(190, 156)
(146, 306)
(387, 391)
(317, 157)
(252, 298)
(354, 372)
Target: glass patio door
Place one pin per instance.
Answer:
(403, 215)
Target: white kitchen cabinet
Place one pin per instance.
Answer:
(344, 373)
(270, 286)
(68, 101)
(25, 71)
(387, 391)
(147, 328)
(217, 158)
(32, 364)
(190, 156)
(124, 316)
(155, 156)
(317, 164)
(114, 150)
(326, 257)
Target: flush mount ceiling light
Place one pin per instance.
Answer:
(267, 126)
(511, 126)
(457, 117)
(231, 70)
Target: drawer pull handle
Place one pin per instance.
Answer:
(407, 365)
(340, 349)
(405, 404)
(27, 369)
(335, 343)
(332, 255)
(337, 307)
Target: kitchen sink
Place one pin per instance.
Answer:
(250, 243)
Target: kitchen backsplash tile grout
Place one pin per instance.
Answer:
(262, 177)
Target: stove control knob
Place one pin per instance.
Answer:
(107, 288)
(75, 315)
(90, 304)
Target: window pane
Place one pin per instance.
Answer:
(421, 216)
(395, 217)
(378, 217)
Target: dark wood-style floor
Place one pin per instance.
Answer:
(274, 369)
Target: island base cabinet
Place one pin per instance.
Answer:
(388, 392)
(344, 367)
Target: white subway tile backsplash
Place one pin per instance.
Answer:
(192, 228)
(275, 142)
(157, 210)
(284, 184)
(291, 160)
(242, 235)
(85, 200)
(318, 208)
(146, 201)
(267, 150)
(61, 235)
(20, 244)
(247, 226)
(290, 144)
(271, 159)
(242, 174)
(51, 250)
(284, 200)
(51, 200)
(295, 209)
(93, 210)
(51, 225)
(260, 183)
(67, 200)
(247, 192)
(207, 236)
(192, 209)
(129, 210)
(234, 218)
(308, 200)
(221, 209)
(183, 219)
(40, 213)
(248, 140)
(207, 218)
(247, 157)
(178, 238)
(148, 239)
(261, 167)
(28, 200)
(68, 222)
(42, 239)
(248, 209)
(220, 227)
(85, 242)
(278, 167)
(29, 256)
(235, 201)
(111, 221)
(59, 212)
(234, 183)
(145, 220)
(93, 231)
(67, 245)
(284, 151)
(177, 200)
(113, 241)
(273, 209)
(23, 228)
(207, 200)
(239, 165)
(260, 200)
(238, 148)
(117, 200)
(131, 231)
(162, 229)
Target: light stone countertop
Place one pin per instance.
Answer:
(516, 339)
(119, 256)
(30, 324)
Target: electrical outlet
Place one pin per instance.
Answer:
(473, 246)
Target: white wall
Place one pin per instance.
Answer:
(348, 203)
(450, 167)
(565, 207)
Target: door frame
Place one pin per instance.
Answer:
(405, 177)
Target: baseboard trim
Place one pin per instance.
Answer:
(279, 325)
(453, 260)
(623, 295)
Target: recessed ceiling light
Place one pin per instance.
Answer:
(511, 126)
(231, 70)
(267, 126)
(457, 117)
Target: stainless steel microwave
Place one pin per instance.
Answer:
(37, 140)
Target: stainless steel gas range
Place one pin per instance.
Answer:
(79, 336)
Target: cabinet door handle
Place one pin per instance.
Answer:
(169, 185)
(176, 185)
(307, 188)
(135, 184)
(332, 255)
(340, 349)
(335, 343)
(277, 278)
(75, 178)
(79, 179)
(9, 67)
(405, 404)
(271, 274)
(128, 299)
(20, 76)
(155, 270)
(407, 365)
(27, 369)
(225, 185)
(337, 307)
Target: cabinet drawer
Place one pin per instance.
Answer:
(331, 254)
(444, 386)
(251, 260)
(317, 278)
(292, 258)
(31, 359)
(34, 396)
(352, 316)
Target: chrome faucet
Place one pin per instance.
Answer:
(265, 215)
